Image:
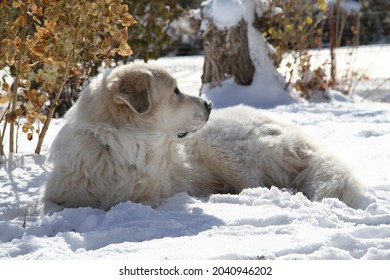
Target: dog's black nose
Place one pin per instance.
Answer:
(208, 105)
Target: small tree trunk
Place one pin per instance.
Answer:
(356, 31)
(2, 133)
(332, 46)
(52, 110)
(1, 141)
(227, 55)
(15, 86)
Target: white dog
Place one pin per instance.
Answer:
(133, 135)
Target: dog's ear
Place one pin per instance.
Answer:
(133, 90)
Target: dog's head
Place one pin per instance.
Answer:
(152, 94)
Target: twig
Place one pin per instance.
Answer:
(17, 78)
(375, 89)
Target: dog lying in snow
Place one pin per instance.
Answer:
(133, 135)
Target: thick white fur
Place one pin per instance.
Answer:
(243, 147)
(121, 143)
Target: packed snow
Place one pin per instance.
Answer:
(258, 223)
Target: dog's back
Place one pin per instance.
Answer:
(244, 147)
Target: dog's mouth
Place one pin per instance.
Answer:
(181, 133)
(199, 119)
(196, 126)
(184, 132)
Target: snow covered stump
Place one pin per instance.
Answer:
(237, 69)
(225, 55)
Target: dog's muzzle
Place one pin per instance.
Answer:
(199, 120)
(208, 105)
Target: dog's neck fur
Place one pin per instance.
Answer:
(150, 147)
(164, 153)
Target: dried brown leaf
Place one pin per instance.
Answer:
(38, 12)
(128, 20)
(20, 20)
(4, 98)
(10, 117)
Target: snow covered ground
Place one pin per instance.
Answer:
(256, 224)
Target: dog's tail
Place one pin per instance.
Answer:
(326, 177)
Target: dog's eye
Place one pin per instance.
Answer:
(176, 91)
